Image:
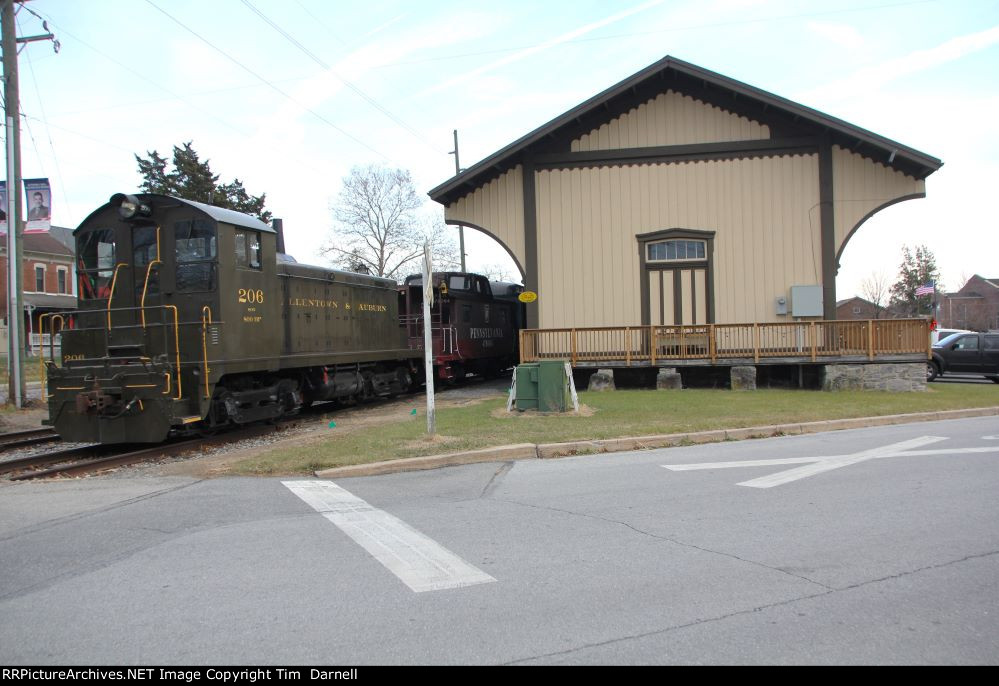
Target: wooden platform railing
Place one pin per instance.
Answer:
(806, 341)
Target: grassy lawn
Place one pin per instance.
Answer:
(610, 415)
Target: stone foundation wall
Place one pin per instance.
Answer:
(874, 377)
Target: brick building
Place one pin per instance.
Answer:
(859, 308)
(47, 278)
(974, 307)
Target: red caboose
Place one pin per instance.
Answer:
(474, 322)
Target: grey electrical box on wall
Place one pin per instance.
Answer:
(806, 301)
(781, 305)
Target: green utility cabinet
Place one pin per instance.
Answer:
(543, 386)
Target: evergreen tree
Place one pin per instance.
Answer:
(918, 268)
(193, 179)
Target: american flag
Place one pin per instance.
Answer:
(925, 289)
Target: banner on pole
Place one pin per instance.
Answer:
(39, 195)
(3, 207)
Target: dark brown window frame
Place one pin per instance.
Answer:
(707, 264)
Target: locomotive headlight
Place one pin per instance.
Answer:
(129, 206)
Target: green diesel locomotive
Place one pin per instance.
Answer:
(190, 317)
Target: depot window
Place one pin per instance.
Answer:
(677, 250)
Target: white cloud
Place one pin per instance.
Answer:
(874, 78)
(527, 52)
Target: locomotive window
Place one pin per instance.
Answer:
(466, 313)
(144, 248)
(195, 247)
(457, 283)
(248, 249)
(195, 240)
(485, 313)
(95, 263)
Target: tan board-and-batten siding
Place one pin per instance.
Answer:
(671, 119)
(591, 217)
(497, 208)
(861, 186)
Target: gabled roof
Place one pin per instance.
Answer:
(710, 87)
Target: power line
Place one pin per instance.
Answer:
(48, 135)
(142, 76)
(371, 101)
(674, 29)
(173, 95)
(262, 79)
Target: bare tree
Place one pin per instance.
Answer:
(875, 290)
(380, 225)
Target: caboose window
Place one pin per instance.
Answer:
(95, 263)
(248, 249)
(194, 242)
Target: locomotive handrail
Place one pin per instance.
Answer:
(41, 351)
(176, 337)
(145, 287)
(149, 270)
(176, 333)
(204, 343)
(114, 280)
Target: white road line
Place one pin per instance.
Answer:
(420, 562)
(818, 465)
(835, 462)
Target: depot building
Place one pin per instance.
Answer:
(681, 196)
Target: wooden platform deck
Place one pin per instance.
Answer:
(818, 342)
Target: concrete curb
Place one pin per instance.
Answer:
(503, 453)
(523, 451)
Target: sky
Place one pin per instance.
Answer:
(289, 95)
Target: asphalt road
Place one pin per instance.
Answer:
(869, 546)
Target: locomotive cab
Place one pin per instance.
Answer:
(135, 354)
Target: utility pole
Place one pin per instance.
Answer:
(461, 229)
(15, 228)
(15, 318)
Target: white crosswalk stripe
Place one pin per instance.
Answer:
(420, 562)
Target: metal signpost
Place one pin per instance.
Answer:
(428, 341)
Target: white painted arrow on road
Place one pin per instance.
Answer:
(818, 465)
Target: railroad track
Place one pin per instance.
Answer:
(95, 458)
(23, 439)
(89, 459)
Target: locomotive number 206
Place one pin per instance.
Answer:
(249, 295)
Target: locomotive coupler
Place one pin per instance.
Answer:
(94, 402)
